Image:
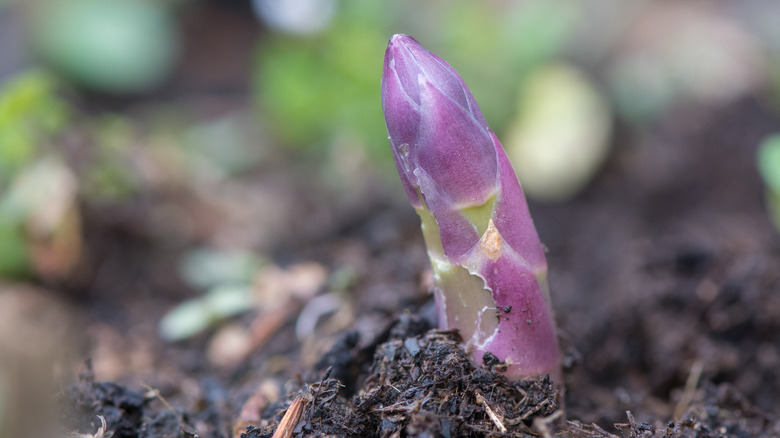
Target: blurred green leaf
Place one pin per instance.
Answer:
(514, 39)
(38, 211)
(107, 181)
(115, 46)
(30, 113)
(198, 314)
(228, 300)
(294, 90)
(773, 207)
(560, 136)
(185, 320)
(768, 159)
(224, 147)
(113, 133)
(316, 89)
(209, 267)
(640, 90)
(14, 256)
(108, 175)
(38, 187)
(313, 90)
(535, 32)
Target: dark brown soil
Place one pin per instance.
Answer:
(665, 275)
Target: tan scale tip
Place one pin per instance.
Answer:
(491, 241)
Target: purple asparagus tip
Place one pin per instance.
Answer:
(489, 265)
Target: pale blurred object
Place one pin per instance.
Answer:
(34, 345)
(198, 314)
(209, 267)
(229, 345)
(301, 282)
(278, 296)
(768, 161)
(32, 116)
(236, 283)
(226, 276)
(222, 148)
(301, 17)
(318, 308)
(111, 46)
(560, 136)
(682, 52)
(42, 199)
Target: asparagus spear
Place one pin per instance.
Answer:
(489, 267)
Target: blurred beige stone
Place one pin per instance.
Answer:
(34, 345)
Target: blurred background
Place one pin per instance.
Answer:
(177, 150)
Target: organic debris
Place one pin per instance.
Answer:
(420, 385)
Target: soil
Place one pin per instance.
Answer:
(664, 274)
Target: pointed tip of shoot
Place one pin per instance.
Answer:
(481, 240)
(436, 129)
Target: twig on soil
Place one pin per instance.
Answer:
(317, 394)
(521, 418)
(579, 427)
(155, 393)
(266, 324)
(250, 412)
(524, 394)
(637, 429)
(690, 388)
(542, 423)
(495, 418)
(290, 419)
(401, 407)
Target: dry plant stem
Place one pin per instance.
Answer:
(290, 419)
(489, 267)
(155, 393)
(250, 412)
(542, 424)
(496, 419)
(690, 388)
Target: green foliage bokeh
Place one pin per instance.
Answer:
(30, 113)
(311, 89)
(317, 88)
